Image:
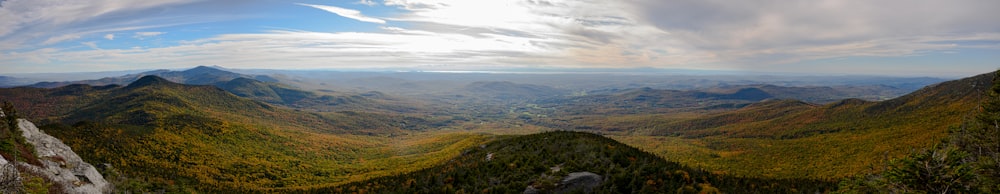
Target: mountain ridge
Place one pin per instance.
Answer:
(189, 138)
(961, 93)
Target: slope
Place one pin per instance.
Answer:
(262, 91)
(947, 102)
(46, 105)
(173, 137)
(540, 161)
(835, 140)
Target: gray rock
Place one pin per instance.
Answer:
(579, 181)
(61, 164)
(576, 182)
(10, 178)
(531, 190)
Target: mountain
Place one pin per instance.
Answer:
(947, 102)
(166, 136)
(567, 162)
(258, 87)
(648, 100)
(820, 94)
(8, 81)
(201, 75)
(790, 138)
(263, 91)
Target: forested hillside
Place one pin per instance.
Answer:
(794, 139)
(543, 161)
(160, 135)
(968, 161)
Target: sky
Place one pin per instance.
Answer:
(884, 37)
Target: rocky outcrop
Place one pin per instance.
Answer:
(580, 181)
(577, 182)
(10, 179)
(61, 164)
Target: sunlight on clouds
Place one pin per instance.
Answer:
(488, 14)
(462, 34)
(347, 13)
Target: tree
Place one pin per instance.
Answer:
(10, 179)
(981, 138)
(942, 170)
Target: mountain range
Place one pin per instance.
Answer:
(791, 138)
(211, 130)
(204, 138)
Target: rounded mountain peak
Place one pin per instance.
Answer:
(149, 80)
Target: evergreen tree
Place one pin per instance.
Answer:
(10, 181)
(981, 139)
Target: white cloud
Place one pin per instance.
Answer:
(143, 35)
(347, 13)
(27, 24)
(91, 44)
(109, 36)
(60, 38)
(367, 2)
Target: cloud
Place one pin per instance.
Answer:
(367, 2)
(347, 13)
(782, 32)
(60, 38)
(144, 35)
(91, 44)
(702, 34)
(109, 36)
(27, 24)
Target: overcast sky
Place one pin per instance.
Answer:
(884, 37)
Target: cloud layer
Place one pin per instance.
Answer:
(765, 35)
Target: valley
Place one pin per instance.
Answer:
(211, 129)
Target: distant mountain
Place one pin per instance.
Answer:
(648, 100)
(823, 94)
(186, 138)
(7, 81)
(567, 162)
(201, 75)
(749, 94)
(258, 87)
(946, 102)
